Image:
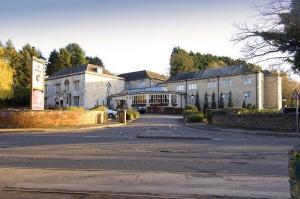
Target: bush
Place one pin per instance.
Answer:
(100, 108)
(74, 108)
(164, 110)
(132, 114)
(191, 108)
(195, 117)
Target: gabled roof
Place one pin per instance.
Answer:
(80, 69)
(213, 72)
(143, 74)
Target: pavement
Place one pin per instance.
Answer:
(156, 156)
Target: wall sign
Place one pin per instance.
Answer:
(37, 84)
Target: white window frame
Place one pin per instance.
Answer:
(180, 87)
(192, 86)
(57, 88)
(76, 100)
(226, 82)
(248, 80)
(76, 85)
(248, 95)
(212, 84)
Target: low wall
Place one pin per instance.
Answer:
(48, 118)
(294, 172)
(262, 121)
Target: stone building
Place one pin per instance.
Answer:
(90, 85)
(256, 87)
(85, 85)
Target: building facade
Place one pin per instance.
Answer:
(90, 85)
(85, 85)
(255, 87)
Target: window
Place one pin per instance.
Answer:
(225, 96)
(247, 95)
(67, 86)
(173, 99)
(76, 84)
(142, 83)
(139, 99)
(192, 86)
(179, 87)
(157, 99)
(46, 88)
(45, 101)
(108, 88)
(165, 88)
(248, 80)
(226, 82)
(76, 100)
(212, 84)
(57, 88)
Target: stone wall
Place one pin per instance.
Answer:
(261, 121)
(294, 172)
(48, 118)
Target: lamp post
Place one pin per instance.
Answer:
(192, 98)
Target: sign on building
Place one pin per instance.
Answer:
(37, 84)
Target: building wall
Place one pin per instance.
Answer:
(142, 83)
(237, 87)
(96, 92)
(273, 92)
(51, 93)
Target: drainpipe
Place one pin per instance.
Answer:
(218, 92)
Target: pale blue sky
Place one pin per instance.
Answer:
(127, 35)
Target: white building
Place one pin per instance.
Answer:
(85, 85)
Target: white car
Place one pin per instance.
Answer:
(111, 113)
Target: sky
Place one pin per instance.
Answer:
(127, 35)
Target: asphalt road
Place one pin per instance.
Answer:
(120, 149)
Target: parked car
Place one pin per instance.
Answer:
(289, 110)
(111, 113)
(141, 109)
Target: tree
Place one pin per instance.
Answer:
(213, 101)
(275, 36)
(64, 58)
(221, 101)
(77, 55)
(197, 102)
(181, 62)
(244, 104)
(6, 78)
(205, 104)
(94, 60)
(230, 101)
(53, 63)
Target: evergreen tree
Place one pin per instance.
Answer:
(94, 60)
(197, 102)
(6, 78)
(213, 101)
(230, 101)
(205, 104)
(64, 58)
(181, 61)
(221, 101)
(77, 55)
(53, 65)
(244, 104)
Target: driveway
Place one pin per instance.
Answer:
(130, 160)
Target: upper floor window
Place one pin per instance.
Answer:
(226, 82)
(179, 87)
(248, 95)
(108, 88)
(57, 88)
(248, 80)
(76, 85)
(67, 86)
(212, 84)
(142, 83)
(192, 86)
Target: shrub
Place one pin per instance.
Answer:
(191, 108)
(195, 117)
(132, 114)
(100, 108)
(74, 108)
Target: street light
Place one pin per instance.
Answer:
(192, 98)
